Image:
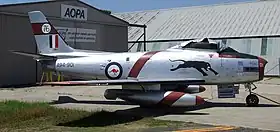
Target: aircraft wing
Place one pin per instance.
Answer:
(127, 81)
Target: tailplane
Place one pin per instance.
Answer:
(38, 57)
(47, 38)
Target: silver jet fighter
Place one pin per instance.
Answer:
(156, 78)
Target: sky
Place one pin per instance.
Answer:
(138, 5)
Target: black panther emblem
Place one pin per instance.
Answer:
(198, 65)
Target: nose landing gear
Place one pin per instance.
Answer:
(251, 99)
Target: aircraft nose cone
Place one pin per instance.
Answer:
(199, 100)
(262, 61)
(262, 64)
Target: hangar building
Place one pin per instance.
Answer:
(81, 25)
(250, 27)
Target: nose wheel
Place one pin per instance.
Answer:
(251, 99)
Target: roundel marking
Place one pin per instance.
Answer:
(113, 70)
(46, 28)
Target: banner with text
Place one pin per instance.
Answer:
(77, 34)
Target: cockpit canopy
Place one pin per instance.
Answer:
(204, 44)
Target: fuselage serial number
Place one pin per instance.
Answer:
(68, 64)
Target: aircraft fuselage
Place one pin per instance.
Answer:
(210, 66)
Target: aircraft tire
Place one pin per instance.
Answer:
(252, 100)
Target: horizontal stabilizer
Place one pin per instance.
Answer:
(35, 56)
(126, 81)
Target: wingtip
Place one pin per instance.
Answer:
(32, 12)
(14, 51)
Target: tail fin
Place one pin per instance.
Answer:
(47, 38)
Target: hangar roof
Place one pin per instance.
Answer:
(44, 6)
(259, 18)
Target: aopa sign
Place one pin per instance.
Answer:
(73, 12)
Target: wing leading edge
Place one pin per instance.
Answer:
(127, 81)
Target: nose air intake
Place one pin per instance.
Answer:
(262, 64)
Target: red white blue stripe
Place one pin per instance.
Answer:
(53, 41)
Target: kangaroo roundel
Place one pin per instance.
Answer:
(113, 70)
(46, 28)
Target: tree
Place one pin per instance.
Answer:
(106, 11)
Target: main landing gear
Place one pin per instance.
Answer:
(252, 99)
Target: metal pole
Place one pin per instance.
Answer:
(145, 38)
(135, 43)
(36, 64)
(279, 66)
(75, 25)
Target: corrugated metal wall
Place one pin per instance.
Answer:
(254, 46)
(16, 34)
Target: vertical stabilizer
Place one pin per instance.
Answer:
(47, 38)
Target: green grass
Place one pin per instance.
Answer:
(18, 115)
(37, 116)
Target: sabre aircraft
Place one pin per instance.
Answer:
(156, 78)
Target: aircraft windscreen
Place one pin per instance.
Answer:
(201, 45)
(206, 44)
(228, 49)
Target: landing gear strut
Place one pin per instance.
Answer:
(143, 88)
(251, 99)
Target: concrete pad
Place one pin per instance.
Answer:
(219, 112)
(232, 111)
